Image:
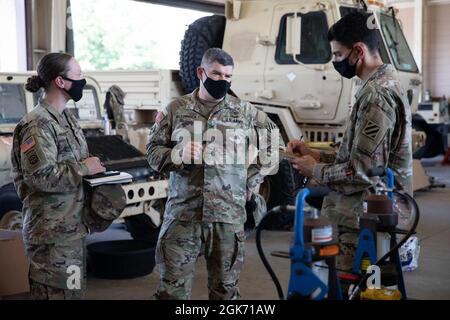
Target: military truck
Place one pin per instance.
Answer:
(433, 118)
(283, 63)
(144, 195)
(283, 66)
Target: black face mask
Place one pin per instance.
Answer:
(76, 90)
(345, 68)
(216, 88)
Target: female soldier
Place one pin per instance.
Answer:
(50, 157)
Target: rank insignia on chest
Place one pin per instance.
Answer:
(28, 144)
(231, 120)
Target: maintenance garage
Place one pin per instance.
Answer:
(224, 149)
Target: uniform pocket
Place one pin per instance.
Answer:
(159, 255)
(238, 254)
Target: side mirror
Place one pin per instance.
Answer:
(293, 35)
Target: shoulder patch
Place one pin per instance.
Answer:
(159, 116)
(28, 144)
(371, 130)
(33, 158)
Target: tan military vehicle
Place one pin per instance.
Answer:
(144, 194)
(283, 64)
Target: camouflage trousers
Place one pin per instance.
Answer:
(57, 270)
(179, 247)
(343, 211)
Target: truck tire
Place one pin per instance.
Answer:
(121, 259)
(284, 187)
(434, 143)
(142, 228)
(12, 220)
(9, 200)
(202, 34)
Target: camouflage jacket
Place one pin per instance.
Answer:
(378, 134)
(48, 148)
(209, 192)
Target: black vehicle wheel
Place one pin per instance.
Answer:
(284, 187)
(434, 144)
(204, 33)
(122, 259)
(142, 228)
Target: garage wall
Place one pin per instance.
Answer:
(436, 42)
(437, 49)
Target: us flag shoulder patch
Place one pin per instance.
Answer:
(28, 144)
(159, 116)
(371, 130)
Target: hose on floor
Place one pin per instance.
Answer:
(270, 214)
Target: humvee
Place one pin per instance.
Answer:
(144, 194)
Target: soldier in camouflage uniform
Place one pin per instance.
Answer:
(49, 159)
(378, 132)
(206, 201)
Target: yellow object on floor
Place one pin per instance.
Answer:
(381, 294)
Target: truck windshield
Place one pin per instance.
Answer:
(12, 102)
(397, 45)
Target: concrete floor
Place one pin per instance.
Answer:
(430, 281)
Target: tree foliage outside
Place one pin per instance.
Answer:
(128, 35)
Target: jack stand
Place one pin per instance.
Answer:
(366, 247)
(379, 218)
(304, 283)
(395, 258)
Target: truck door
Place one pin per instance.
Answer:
(307, 83)
(401, 56)
(247, 39)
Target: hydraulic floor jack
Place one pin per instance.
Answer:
(313, 243)
(377, 242)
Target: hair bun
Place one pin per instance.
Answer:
(34, 83)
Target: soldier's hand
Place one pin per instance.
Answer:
(302, 149)
(94, 165)
(304, 165)
(192, 151)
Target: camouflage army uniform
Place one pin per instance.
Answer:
(48, 148)
(378, 134)
(206, 203)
